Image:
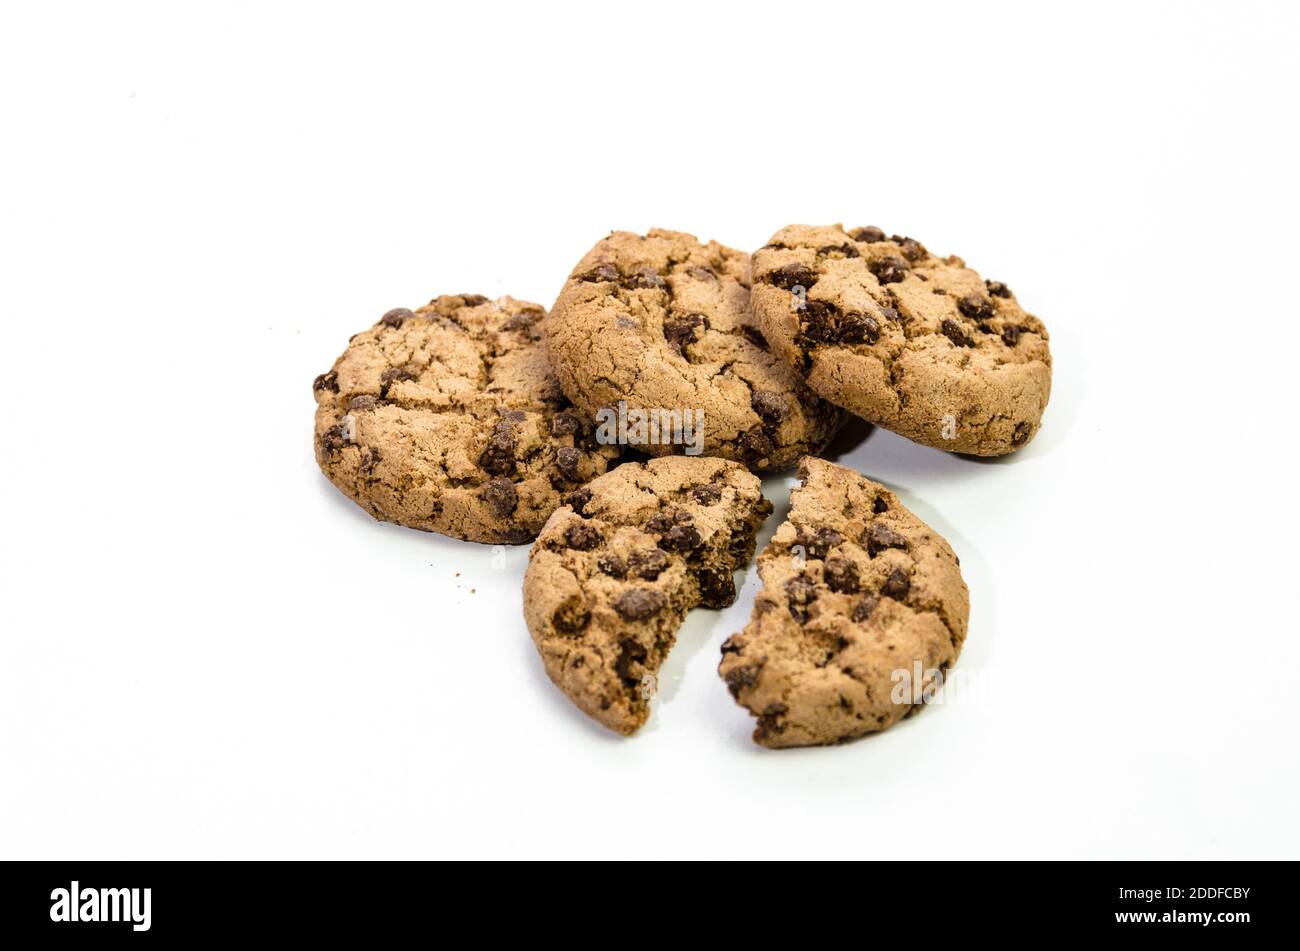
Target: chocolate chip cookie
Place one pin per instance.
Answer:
(909, 341)
(449, 419)
(617, 567)
(858, 596)
(660, 323)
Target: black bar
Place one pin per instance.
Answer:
(913, 901)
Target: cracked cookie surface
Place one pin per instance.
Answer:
(915, 343)
(616, 568)
(662, 321)
(449, 419)
(855, 588)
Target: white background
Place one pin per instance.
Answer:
(206, 651)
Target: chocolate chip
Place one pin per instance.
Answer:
(600, 273)
(799, 593)
(702, 273)
(823, 322)
(791, 276)
(522, 320)
(326, 381)
(501, 495)
(394, 374)
(880, 505)
(1011, 335)
(997, 288)
(659, 523)
(706, 494)
(952, 330)
(473, 300)
(663, 521)
(820, 321)
(741, 677)
(360, 404)
(647, 277)
(880, 537)
(897, 585)
(755, 446)
(396, 316)
(571, 616)
(681, 538)
(648, 563)
(679, 331)
(565, 424)
(841, 575)
(733, 644)
(889, 313)
(913, 250)
(370, 458)
(827, 538)
(577, 500)
(769, 722)
(771, 407)
(975, 306)
(567, 461)
(838, 251)
(858, 328)
(637, 604)
(753, 336)
(498, 457)
(888, 270)
(818, 544)
(334, 438)
(516, 536)
(1022, 433)
(582, 536)
(717, 588)
(862, 610)
(612, 565)
(868, 235)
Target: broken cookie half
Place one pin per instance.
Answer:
(859, 596)
(616, 568)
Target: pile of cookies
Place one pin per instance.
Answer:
(622, 431)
